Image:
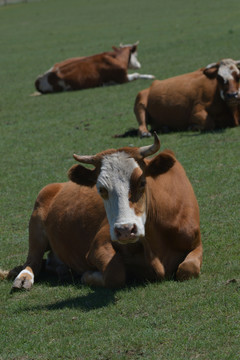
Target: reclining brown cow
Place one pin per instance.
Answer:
(205, 99)
(107, 68)
(141, 218)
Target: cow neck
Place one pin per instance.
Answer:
(150, 202)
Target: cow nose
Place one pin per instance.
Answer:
(125, 231)
(232, 95)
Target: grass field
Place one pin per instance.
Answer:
(198, 319)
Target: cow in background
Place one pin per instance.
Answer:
(79, 73)
(140, 220)
(206, 99)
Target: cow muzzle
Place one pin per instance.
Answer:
(232, 98)
(233, 95)
(126, 233)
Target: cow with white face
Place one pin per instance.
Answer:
(151, 202)
(206, 99)
(107, 68)
(128, 216)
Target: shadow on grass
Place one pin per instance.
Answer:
(94, 299)
(134, 132)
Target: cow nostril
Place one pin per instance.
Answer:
(134, 229)
(117, 232)
(125, 230)
(232, 95)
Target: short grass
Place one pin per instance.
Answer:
(198, 319)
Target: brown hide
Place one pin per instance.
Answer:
(172, 226)
(70, 220)
(189, 101)
(172, 242)
(88, 72)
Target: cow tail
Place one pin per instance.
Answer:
(4, 274)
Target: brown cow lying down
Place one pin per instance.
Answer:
(107, 68)
(129, 215)
(205, 99)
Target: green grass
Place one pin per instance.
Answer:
(198, 319)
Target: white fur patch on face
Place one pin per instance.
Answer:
(226, 69)
(225, 72)
(133, 62)
(115, 177)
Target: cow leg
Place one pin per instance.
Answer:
(201, 120)
(136, 76)
(153, 261)
(111, 274)
(110, 267)
(190, 267)
(38, 244)
(140, 112)
(56, 266)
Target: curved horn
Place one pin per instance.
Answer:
(237, 62)
(121, 45)
(150, 149)
(86, 159)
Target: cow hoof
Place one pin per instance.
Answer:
(92, 278)
(21, 284)
(187, 270)
(145, 134)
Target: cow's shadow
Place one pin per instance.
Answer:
(94, 299)
(132, 132)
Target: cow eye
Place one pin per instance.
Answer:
(103, 193)
(142, 183)
(221, 80)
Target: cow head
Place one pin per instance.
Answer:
(121, 180)
(133, 62)
(227, 73)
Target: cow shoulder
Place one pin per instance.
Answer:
(161, 163)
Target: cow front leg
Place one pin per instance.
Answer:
(38, 244)
(140, 112)
(201, 120)
(136, 76)
(190, 267)
(111, 270)
(109, 264)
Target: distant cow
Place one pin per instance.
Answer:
(205, 99)
(107, 68)
(151, 230)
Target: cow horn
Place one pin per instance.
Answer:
(237, 62)
(86, 159)
(150, 149)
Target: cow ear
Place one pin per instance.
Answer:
(211, 72)
(134, 49)
(83, 176)
(160, 164)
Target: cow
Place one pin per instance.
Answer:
(79, 73)
(206, 99)
(128, 217)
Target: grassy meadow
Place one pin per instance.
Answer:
(198, 319)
